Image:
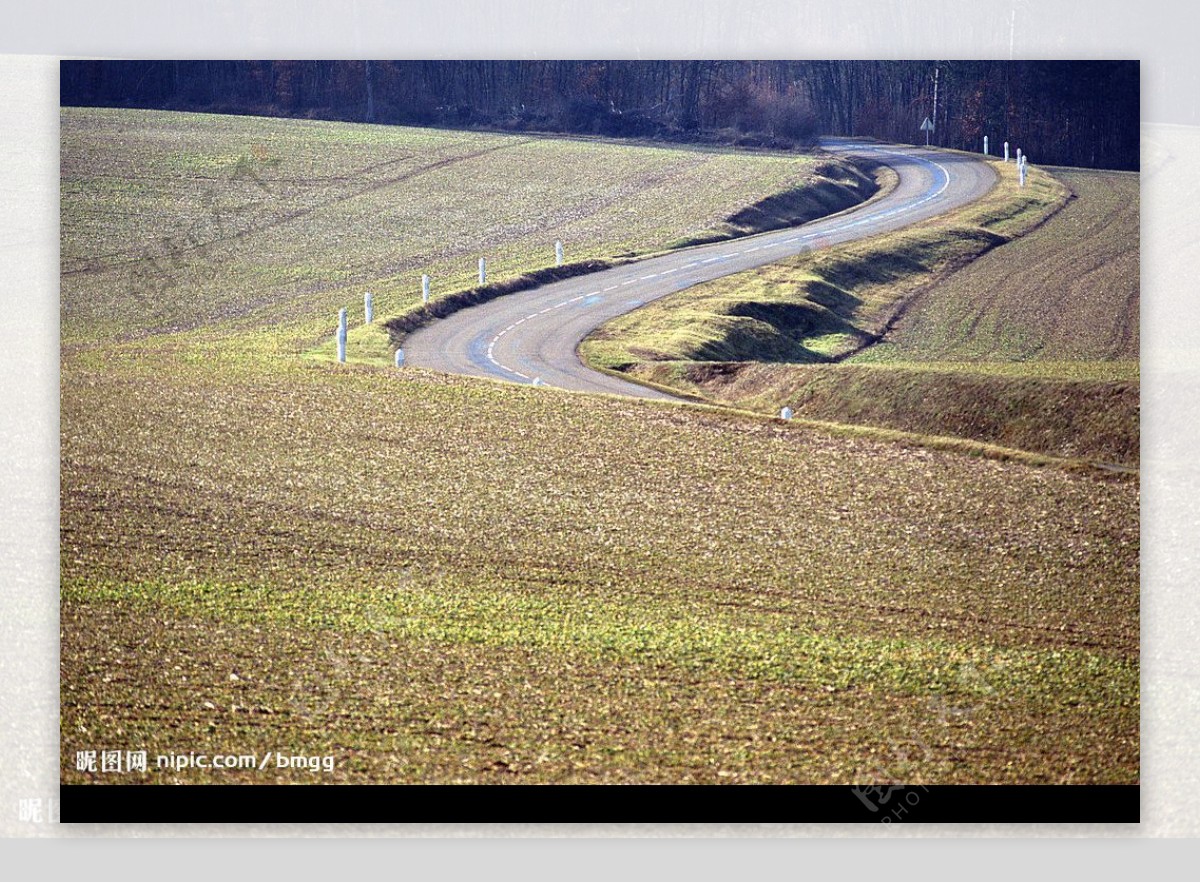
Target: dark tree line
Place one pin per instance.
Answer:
(1068, 112)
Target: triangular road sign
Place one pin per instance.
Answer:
(927, 126)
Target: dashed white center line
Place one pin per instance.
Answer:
(491, 349)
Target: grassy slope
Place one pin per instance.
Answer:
(1069, 292)
(1051, 411)
(444, 579)
(1033, 345)
(175, 221)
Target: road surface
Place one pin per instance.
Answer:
(532, 336)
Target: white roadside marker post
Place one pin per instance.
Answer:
(785, 413)
(341, 335)
(1018, 156)
(369, 307)
(424, 289)
(558, 253)
(483, 271)
(1006, 151)
(1021, 172)
(985, 145)
(399, 358)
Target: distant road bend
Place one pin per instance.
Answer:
(534, 334)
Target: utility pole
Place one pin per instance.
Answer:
(370, 93)
(1012, 30)
(935, 91)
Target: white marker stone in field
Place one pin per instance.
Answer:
(399, 358)
(369, 307)
(537, 381)
(1006, 151)
(424, 289)
(785, 413)
(1021, 172)
(985, 145)
(341, 335)
(558, 253)
(483, 271)
(1018, 156)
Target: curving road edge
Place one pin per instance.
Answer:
(532, 336)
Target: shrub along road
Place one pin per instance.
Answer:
(533, 335)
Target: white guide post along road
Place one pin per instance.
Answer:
(533, 335)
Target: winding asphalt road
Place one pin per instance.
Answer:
(532, 336)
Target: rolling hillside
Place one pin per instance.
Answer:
(442, 579)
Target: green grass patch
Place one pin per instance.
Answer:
(393, 710)
(449, 611)
(365, 345)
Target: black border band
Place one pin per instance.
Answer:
(600, 803)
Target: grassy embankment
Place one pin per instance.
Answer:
(441, 579)
(951, 328)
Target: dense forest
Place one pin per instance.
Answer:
(1079, 113)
